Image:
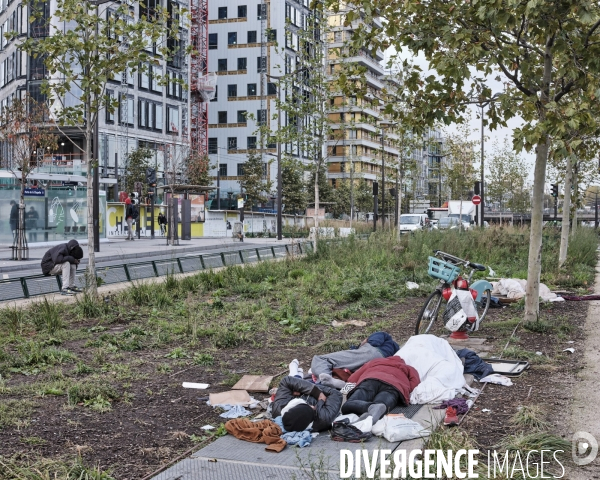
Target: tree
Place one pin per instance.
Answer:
(547, 53)
(137, 163)
(507, 177)
(81, 58)
(23, 130)
(460, 158)
(293, 187)
(253, 182)
(197, 170)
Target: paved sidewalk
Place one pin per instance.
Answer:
(586, 397)
(121, 250)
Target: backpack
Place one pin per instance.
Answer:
(134, 213)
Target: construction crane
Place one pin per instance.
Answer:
(202, 85)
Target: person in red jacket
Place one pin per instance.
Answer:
(381, 385)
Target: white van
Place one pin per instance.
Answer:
(411, 222)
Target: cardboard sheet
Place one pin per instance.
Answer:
(232, 397)
(253, 383)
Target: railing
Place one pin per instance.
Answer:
(34, 285)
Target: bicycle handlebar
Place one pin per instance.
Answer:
(452, 258)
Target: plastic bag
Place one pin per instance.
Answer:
(396, 428)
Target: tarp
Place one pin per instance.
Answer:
(515, 288)
(440, 369)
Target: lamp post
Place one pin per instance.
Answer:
(482, 105)
(279, 176)
(383, 126)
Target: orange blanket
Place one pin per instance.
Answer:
(264, 431)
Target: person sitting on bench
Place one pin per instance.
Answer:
(63, 260)
(302, 404)
(378, 345)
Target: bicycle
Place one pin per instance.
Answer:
(447, 270)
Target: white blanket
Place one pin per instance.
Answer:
(515, 288)
(440, 369)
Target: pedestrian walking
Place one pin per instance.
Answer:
(131, 214)
(63, 260)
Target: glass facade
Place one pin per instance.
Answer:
(59, 215)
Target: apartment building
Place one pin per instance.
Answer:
(150, 114)
(248, 42)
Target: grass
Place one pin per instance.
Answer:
(528, 418)
(84, 355)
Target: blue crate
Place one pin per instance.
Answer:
(443, 270)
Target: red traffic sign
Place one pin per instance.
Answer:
(476, 199)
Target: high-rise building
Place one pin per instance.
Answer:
(250, 43)
(153, 112)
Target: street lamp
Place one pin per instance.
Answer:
(383, 126)
(482, 105)
(279, 177)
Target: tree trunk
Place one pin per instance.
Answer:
(316, 207)
(575, 194)
(534, 267)
(21, 225)
(564, 232)
(90, 276)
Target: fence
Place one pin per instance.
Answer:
(34, 285)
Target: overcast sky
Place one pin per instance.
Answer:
(475, 121)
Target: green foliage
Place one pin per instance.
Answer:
(13, 412)
(90, 391)
(204, 359)
(47, 315)
(507, 177)
(177, 352)
(292, 185)
(254, 182)
(137, 163)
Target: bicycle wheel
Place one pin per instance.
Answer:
(483, 304)
(429, 313)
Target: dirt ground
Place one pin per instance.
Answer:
(161, 420)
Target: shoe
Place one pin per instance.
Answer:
(451, 418)
(76, 289)
(66, 291)
(344, 432)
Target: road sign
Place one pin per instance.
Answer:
(34, 192)
(476, 199)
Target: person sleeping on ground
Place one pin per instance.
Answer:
(302, 404)
(378, 345)
(381, 385)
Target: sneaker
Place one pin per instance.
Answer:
(66, 291)
(75, 289)
(451, 418)
(344, 432)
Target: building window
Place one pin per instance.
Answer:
(252, 89)
(150, 115)
(271, 143)
(223, 169)
(252, 36)
(222, 65)
(172, 119)
(271, 89)
(231, 143)
(261, 11)
(352, 134)
(251, 142)
(144, 77)
(110, 114)
(222, 117)
(261, 117)
(261, 64)
(231, 91)
(216, 94)
(175, 89)
(242, 11)
(241, 116)
(272, 35)
(213, 145)
(222, 13)
(240, 169)
(242, 63)
(213, 41)
(232, 38)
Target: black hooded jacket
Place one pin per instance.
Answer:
(65, 252)
(325, 412)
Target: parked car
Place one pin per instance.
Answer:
(411, 222)
(448, 223)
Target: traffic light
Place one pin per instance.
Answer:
(477, 190)
(375, 188)
(393, 192)
(554, 189)
(151, 177)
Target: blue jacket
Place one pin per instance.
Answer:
(384, 343)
